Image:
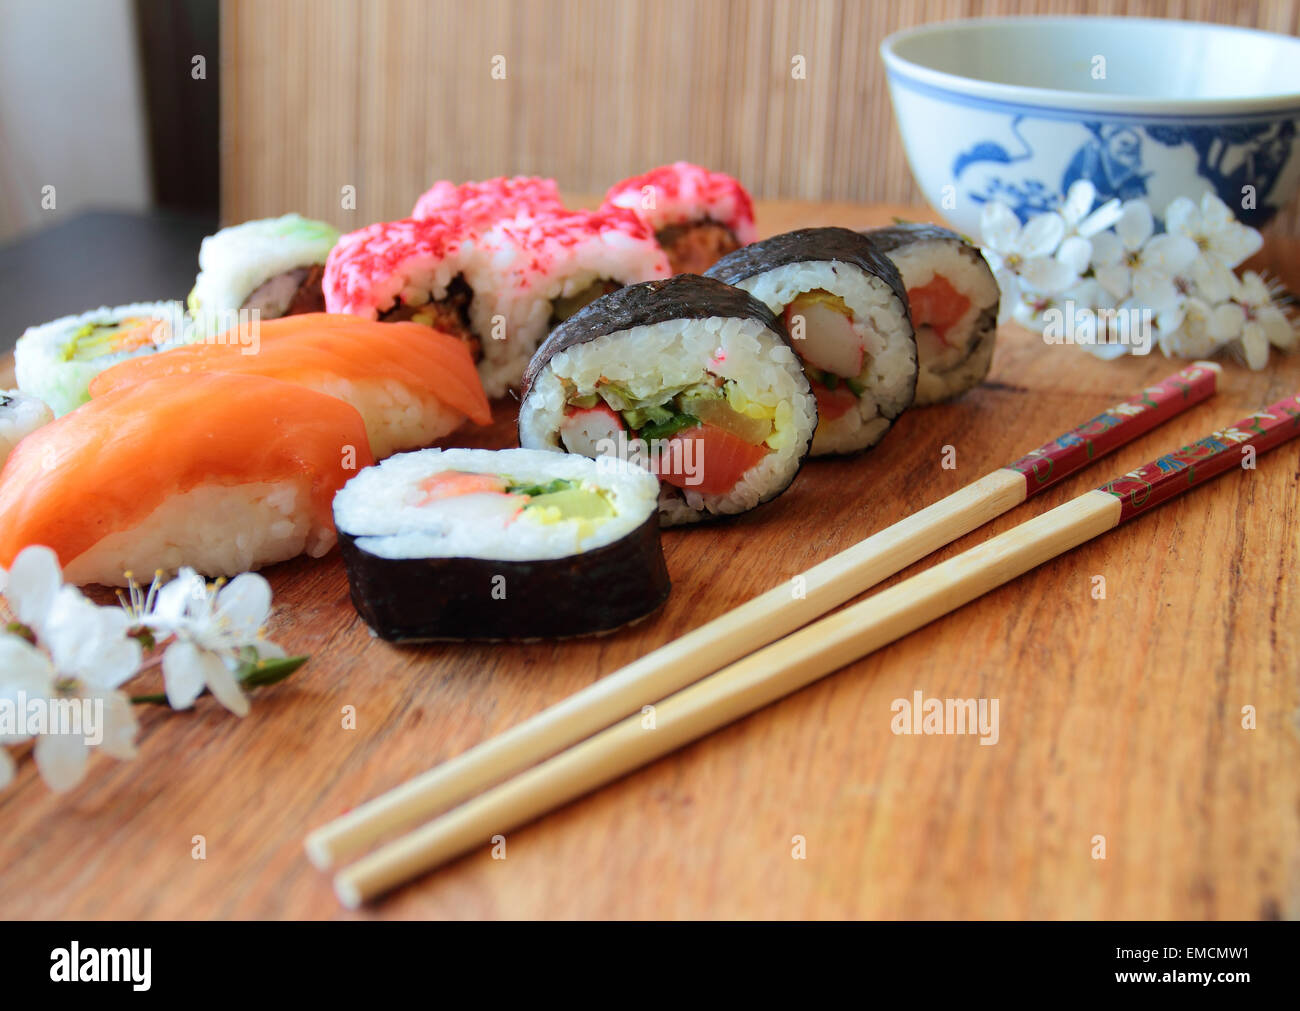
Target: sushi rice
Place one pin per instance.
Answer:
(56, 361)
(20, 415)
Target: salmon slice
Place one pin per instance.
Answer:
(105, 467)
(324, 350)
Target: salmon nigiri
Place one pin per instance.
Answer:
(224, 473)
(412, 385)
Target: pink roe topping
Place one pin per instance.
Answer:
(683, 192)
(481, 204)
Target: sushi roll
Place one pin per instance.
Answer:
(427, 272)
(55, 362)
(541, 271)
(480, 204)
(688, 377)
(223, 473)
(20, 416)
(500, 544)
(273, 266)
(697, 216)
(845, 309)
(953, 297)
(411, 385)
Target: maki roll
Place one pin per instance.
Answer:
(543, 270)
(411, 385)
(689, 377)
(953, 297)
(222, 473)
(55, 362)
(480, 204)
(273, 266)
(427, 272)
(845, 308)
(20, 416)
(500, 544)
(697, 216)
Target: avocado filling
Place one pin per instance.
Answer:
(95, 340)
(565, 500)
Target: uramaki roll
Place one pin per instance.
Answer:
(698, 216)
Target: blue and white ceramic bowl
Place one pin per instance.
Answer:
(1017, 109)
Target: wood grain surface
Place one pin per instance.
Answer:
(1119, 718)
(386, 96)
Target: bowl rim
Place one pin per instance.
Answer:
(910, 73)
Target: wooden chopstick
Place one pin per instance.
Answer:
(803, 657)
(760, 621)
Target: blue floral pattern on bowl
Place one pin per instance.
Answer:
(979, 149)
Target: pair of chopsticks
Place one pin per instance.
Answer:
(753, 655)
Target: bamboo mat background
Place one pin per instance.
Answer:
(388, 95)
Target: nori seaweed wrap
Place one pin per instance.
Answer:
(495, 545)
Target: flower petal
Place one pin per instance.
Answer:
(1101, 219)
(120, 726)
(183, 674)
(1116, 279)
(61, 759)
(1235, 244)
(1224, 322)
(1172, 254)
(1280, 332)
(6, 768)
(1048, 275)
(1215, 214)
(999, 227)
(176, 599)
(1042, 235)
(34, 581)
(1078, 201)
(243, 606)
(1076, 252)
(1135, 224)
(1154, 290)
(1107, 250)
(225, 688)
(1182, 218)
(1254, 346)
(1214, 281)
(23, 668)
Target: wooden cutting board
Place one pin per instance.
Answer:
(1118, 718)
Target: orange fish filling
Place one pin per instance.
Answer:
(937, 305)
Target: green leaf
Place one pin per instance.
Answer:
(668, 428)
(157, 699)
(269, 672)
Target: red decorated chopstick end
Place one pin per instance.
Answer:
(1235, 446)
(1115, 426)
